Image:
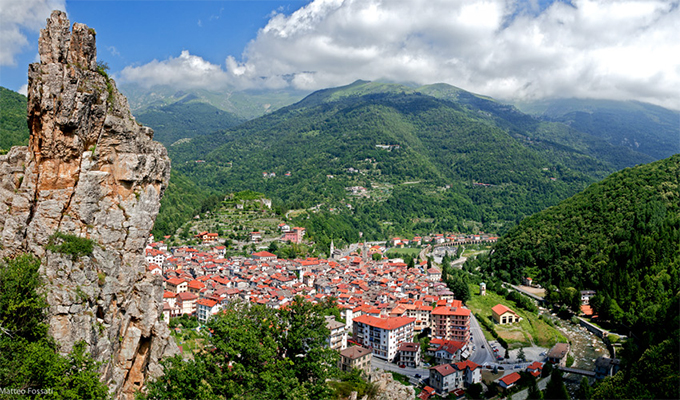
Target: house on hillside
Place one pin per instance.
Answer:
(356, 357)
(255, 236)
(605, 367)
(503, 315)
(509, 381)
(295, 235)
(558, 354)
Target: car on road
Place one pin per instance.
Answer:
(483, 346)
(518, 366)
(418, 376)
(402, 366)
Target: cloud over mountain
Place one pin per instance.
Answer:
(18, 17)
(508, 49)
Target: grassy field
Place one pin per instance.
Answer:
(475, 249)
(190, 340)
(396, 253)
(530, 330)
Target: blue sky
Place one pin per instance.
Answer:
(137, 32)
(509, 49)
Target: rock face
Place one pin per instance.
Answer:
(389, 389)
(91, 171)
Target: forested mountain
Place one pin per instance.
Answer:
(431, 163)
(645, 128)
(13, 127)
(619, 237)
(185, 119)
(245, 104)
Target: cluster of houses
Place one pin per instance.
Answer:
(384, 304)
(440, 238)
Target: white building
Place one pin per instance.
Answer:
(154, 256)
(383, 335)
(205, 308)
(337, 339)
(448, 377)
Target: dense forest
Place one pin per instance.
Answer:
(185, 119)
(13, 126)
(619, 237)
(642, 127)
(429, 163)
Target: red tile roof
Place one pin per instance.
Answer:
(175, 281)
(444, 310)
(510, 379)
(264, 254)
(187, 296)
(444, 369)
(389, 323)
(206, 302)
(466, 364)
(500, 309)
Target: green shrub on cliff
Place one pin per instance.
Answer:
(30, 366)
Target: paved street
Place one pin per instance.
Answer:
(481, 356)
(522, 394)
(377, 363)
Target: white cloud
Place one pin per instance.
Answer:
(113, 50)
(18, 17)
(627, 49)
(609, 49)
(184, 72)
(23, 89)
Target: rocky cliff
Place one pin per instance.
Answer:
(92, 171)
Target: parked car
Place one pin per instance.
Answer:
(418, 376)
(518, 366)
(402, 366)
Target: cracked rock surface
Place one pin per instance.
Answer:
(92, 171)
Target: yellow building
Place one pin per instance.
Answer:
(504, 315)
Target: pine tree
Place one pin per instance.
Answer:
(534, 392)
(584, 392)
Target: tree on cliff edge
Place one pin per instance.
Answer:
(29, 362)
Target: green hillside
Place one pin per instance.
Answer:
(448, 168)
(13, 127)
(642, 127)
(185, 119)
(245, 104)
(619, 237)
(584, 150)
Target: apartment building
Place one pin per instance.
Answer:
(451, 323)
(383, 335)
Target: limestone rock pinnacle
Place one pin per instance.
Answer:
(90, 170)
